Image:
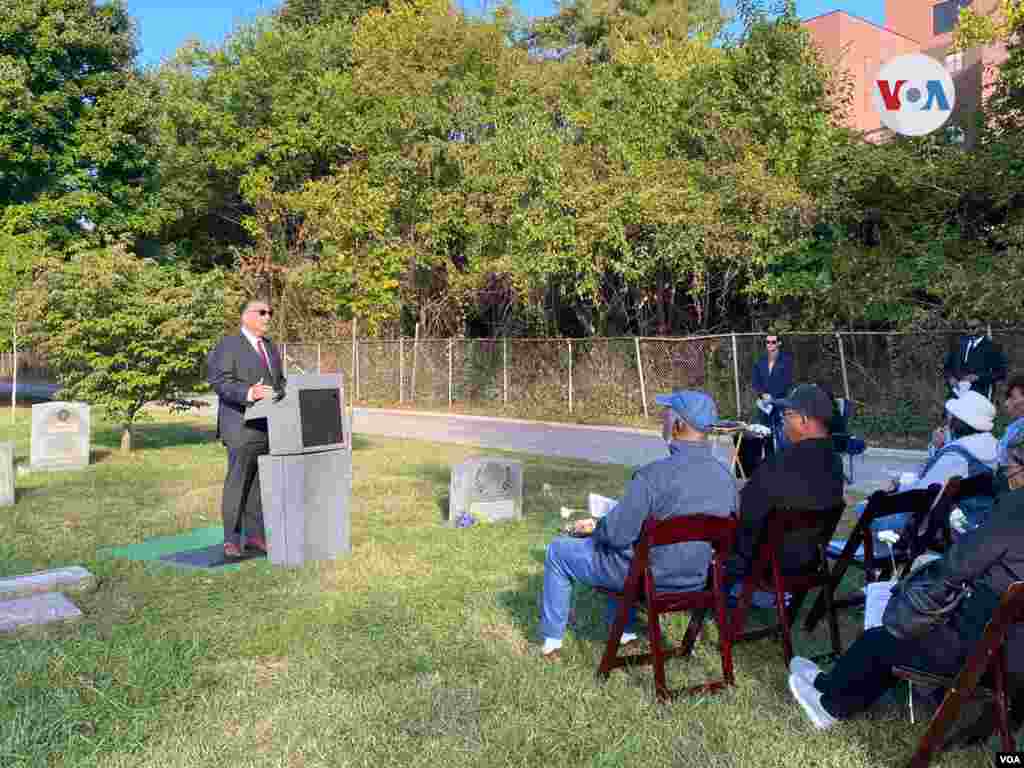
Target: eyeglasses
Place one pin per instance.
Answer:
(263, 312)
(771, 343)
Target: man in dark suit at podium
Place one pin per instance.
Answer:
(975, 361)
(242, 370)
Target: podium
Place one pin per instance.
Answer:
(306, 479)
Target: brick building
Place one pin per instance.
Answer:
(911, 26)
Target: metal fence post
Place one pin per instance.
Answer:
(450, 341)
(504, 354)
(401, 370)
(319, 368)
(842, 363)
(640, 367)
(354, 374)
(415, 352)
(284, 357)
(570, 374)
(736, 375)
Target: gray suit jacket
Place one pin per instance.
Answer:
(232, 367)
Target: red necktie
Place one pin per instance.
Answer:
(263, 351)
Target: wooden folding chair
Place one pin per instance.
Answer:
(938, 533)
(861, 551)
(988, 655)
(767, 574)
(641, 591)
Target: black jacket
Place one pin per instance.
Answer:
(776, 383)
(806, 475)
(232, 367)
(986, 361)
(993, 553)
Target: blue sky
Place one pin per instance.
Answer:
(165, 25)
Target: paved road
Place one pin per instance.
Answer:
(606, 445)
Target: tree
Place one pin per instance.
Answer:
(17, 255)
(75, 123)
(121, 332)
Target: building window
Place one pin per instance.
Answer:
(946, 14)
(955, 62)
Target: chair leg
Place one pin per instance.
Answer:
(833, 620)
(692, 631)
(724, 637)
(657, 653)
(1002, 710)
(944, 717)
(611, 649)
(780, 609)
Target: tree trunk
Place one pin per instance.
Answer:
(126, 439)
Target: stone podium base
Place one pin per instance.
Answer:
(306, 508)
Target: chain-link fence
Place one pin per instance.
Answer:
(895, 381)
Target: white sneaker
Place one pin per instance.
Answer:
(809, 699)
(804, 668)
(628, 637)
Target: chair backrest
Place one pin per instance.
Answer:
(719, 532)
(816, 526)
(960, 488)
(916, 502)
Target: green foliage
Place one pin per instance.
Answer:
(121, 332)
(75, 123)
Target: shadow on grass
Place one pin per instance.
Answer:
(439, 477)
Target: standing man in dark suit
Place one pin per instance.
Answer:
(244, 369)
(976, 360)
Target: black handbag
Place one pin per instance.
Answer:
(927, 599)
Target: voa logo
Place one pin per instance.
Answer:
(1009, 758)
(914, 94)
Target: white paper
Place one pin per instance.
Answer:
(599, 506)
(877, 596)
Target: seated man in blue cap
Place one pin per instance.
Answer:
(689, 482)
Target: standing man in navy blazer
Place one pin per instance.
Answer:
(242, 370)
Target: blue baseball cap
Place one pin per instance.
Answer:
(695, 408)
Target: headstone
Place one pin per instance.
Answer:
(60, 436)
(37, 609)
(6, 474)
(71, 579)
(486, 488)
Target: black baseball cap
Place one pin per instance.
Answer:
(810, 400)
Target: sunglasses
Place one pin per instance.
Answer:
(263, 312)
(771, 343)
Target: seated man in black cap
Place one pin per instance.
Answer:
(808, 474)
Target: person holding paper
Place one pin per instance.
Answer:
(970, 450)
(773, 376)
(243, 369)
(993, 555)
(976, 364)
(689, 482)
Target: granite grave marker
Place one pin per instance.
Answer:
(6, 474)
(488, 489)
(60, 436)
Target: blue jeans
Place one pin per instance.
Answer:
(568, 560)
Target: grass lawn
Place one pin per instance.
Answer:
(419, 649)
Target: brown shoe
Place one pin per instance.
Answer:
(553, 657)
(256, 542)
(232, 551)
